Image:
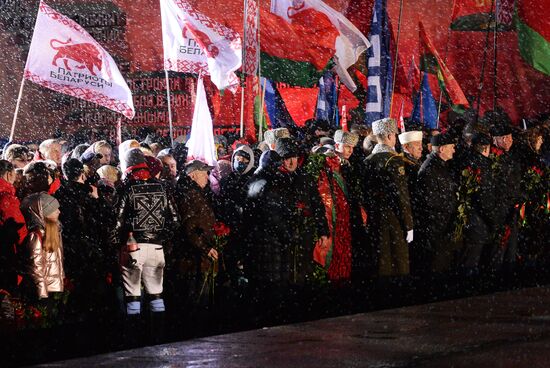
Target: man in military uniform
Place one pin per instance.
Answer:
(411, 144)
(386, 198)
(437, 206)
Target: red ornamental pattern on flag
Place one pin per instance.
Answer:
(65, 58)
(195, 43)
(252, 49)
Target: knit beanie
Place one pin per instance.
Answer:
(133, 157)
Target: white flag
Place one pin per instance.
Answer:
(192, 41)
(201, 142)
(65, 58)
(350, 44)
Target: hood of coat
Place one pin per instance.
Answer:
(32, 208)
(247, 152)
(269, 162)
(6, 187)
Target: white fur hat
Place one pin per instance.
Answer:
(384, 126)
(412, 136)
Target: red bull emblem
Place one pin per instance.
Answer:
(202, 39)
(86, 55)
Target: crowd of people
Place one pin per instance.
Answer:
(267, 222)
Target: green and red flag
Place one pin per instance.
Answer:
(431, 62)
(297, 53)
(533, 26)
(482, 15)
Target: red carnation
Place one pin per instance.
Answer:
(497, 151)
(221, 229)
(537, 170)
(35, 313)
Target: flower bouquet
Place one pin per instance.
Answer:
(470, 181)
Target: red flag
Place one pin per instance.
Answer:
(479, 15)
(431, 62)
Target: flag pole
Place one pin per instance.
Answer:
(259, 72)
(484, 61)
(445, 61)
(243, 76)
(169, 107)
(12, 132)
(495, 62)
(261, 118)
(396, 53)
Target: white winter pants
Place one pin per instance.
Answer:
(144, 265)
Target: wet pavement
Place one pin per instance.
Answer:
(507, 329)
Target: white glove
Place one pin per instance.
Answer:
(410, 236)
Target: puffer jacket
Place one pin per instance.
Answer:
(44, 268)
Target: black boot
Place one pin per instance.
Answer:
(156, 328)
(133, 332)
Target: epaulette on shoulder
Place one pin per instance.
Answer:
(395, 155)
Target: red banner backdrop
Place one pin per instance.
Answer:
(131, 32)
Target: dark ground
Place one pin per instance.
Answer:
(463, 332)
(505, 329)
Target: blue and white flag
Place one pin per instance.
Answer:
(327, 101)
(425, 107)
(379, 66)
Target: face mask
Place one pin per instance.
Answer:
(240, 166)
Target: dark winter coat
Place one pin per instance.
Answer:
(12, 233)
(197, 227)
(80, 218)
(507, 174)
(436, 211)
(482, 224)
(268, 216)
(310, 224)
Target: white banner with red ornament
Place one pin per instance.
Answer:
(182, 53)
(252, 47)
(65, 58)
(183, 26)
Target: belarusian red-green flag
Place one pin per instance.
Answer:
(533, 25)
(482, 15)
(431, 62)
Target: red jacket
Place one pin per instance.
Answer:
(9, 208)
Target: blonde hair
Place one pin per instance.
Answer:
(109, 172)
(99, 144)
(52, 239)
